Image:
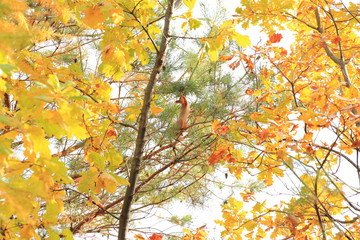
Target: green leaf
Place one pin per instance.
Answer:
(87, 180)
(97, 159)
(81, 97)
(8, 69)
(44, 98)
(5, 120)
(194, 23)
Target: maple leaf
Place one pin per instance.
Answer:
(156, 237)
(216, 156)
(275, 37)
(221, 154)
(94, 17)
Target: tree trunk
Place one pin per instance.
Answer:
(140, 140)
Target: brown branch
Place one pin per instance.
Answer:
(140, 140)
(102, 211)
(338, 153)
(70, 149)
(330, 54)
(298, 19)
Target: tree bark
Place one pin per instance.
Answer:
(140, 140)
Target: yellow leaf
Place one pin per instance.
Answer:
(117, 16)
(251, 225)
(258, 207)
(155, 109)
(120, 180)
(52, 211)
(213, 54)
(237, 204)
(35, 142)
(184, 25)
(261, 233)
(109, 182)
(2, 84)
(93, 17)
(68, 234)
(194, 23)
(27, 232)
(242, 40)
(190, 3)
(134, 112)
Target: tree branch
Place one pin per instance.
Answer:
(140, 141)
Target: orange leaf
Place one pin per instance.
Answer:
(275, 38)
(336, 39)
(139, 237)
(114, 108)
(216, 156)
(93, 17)
(220, 128)
(235, 64)
(283, 52)
(226, 58)
(155, 237)
(221, 154)
(249, 91)
(248, 62)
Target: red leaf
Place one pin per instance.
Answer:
(216, 156)
(112, 132)
(336, 39)
(156, 237)
(275, 38)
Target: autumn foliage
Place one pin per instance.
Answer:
(303, 132)
(81, 80)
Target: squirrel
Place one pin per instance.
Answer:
(184, 113)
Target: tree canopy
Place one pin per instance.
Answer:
(89, 139)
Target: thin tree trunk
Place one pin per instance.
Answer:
(140, 140)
